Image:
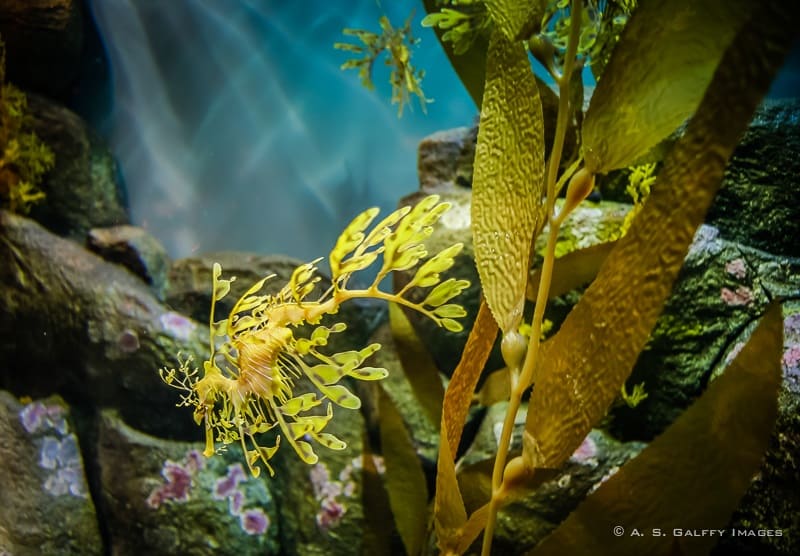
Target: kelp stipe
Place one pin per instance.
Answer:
(246, 387)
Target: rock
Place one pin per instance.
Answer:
(719, 292)
(759, 202)
(45, 506)
(445, 158)
(135, 249)
(165, 497)
(190, 279)
(527, 520)
(44, 42)
(75, 324)
(771, 502)
(83, 189)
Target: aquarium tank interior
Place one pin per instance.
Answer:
(482, 277)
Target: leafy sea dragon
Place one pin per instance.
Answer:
(246, 385)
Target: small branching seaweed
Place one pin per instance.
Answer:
(397, 42)
(247, 385)
(639, 182)
(24, 158)
(462, 22)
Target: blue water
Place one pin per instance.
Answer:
(236, 129)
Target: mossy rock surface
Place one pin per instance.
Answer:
(164, 497)
(84, 189)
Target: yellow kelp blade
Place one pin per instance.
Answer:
(657, 76)
(692, 477)
(508, 179)
(514, 16)
(594, 351)
(449, 512)
(405, 480)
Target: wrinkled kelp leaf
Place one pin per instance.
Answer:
(572, 271)
(513, 17)
(693, 475)
(459, 391)
(596, 347)
(418, 367)
(657, 75)
(471, 65)
(405, 480)
(449, 512)
(508, 179)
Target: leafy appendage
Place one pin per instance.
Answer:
(599, 32)
(462, 23)
(397, 242)
(247, 386)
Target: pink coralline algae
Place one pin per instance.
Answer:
(791, 359)
(254, 522)
(330, 513)
(180, 478)
(792, 326)
(128, 341)
(586, 452)
(227, 485)
(327, 493)
(177, 325)
(235, 502)
(176, 488)
(742, 296)
(58, 449)
(736, 268)
(38, 417)
(791, 352)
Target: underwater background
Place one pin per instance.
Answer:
(235, 128)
